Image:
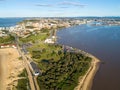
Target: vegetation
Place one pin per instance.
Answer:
(23, 74)
(6, 31)
(23, 84)
(64, 73)
(7, 39)
(31, 20)
(20, 58)
(34, 37)
(45, 51)
(44, 30)
(29, 27)
(60, 69)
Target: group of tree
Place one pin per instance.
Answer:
(64, 73)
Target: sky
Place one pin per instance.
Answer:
(59, 8)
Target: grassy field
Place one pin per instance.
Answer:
(44, 51)
(34, 37)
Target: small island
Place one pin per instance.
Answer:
(46, 64)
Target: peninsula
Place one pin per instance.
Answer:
(46, 64)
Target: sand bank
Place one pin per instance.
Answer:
(85, 82)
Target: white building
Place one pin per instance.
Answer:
(49, 41)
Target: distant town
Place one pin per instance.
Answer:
(24, 28)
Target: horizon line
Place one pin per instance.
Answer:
(52, 16)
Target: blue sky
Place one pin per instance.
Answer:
(59, 8)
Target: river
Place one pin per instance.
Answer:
(104, 43)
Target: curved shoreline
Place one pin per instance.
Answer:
(85, 83)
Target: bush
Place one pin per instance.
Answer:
(23, 74)
(22, 84)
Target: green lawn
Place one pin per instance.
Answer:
(45, 51)
(34, 37)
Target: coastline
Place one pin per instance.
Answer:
(85, 82)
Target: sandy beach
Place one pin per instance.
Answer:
(10, 67)
(85, 82)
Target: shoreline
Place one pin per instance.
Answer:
(85, 82)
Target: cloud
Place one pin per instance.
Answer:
(72, 3)
(64, 4)
(44, 5)
(63, 7)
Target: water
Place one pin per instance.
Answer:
(101, 41)
(104, 43)
(7, 22)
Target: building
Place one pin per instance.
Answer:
(49, 41)
(8, 46)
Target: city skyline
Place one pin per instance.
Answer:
(56, 8)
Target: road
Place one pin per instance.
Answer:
(36, 83)
(30, 77)
(32, 80)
